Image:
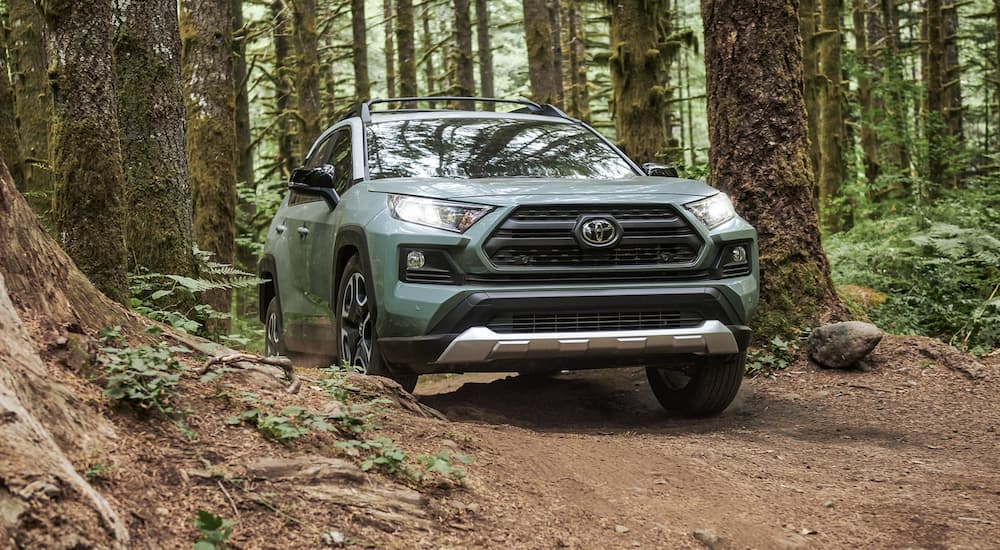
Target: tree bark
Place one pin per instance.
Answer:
(283, 91)
(996, 15)
(390, 50)
(244, 166)
(934, 104)
(306, 73)
(812, 90)
(555, 9)
(831, 132)
(952, 79)
(865, 36)
(359, 30)
(86, 154)
(206, 36)
(9, 139)
(538, 37)
(485, 51)
(151, 112)
(638, 76)
(760, 154)
(465, 71)
(578, 103)
(32, 102)
(426, 44)
(406, 48)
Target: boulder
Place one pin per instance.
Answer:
(842, 345)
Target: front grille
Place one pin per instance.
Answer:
(593, 321)
(542, 236)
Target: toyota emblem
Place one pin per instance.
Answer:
(599, 232)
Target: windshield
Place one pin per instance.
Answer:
(489, 148)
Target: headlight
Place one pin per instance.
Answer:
(451, 216)
(714, 210)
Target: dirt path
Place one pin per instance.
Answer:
(904, 455)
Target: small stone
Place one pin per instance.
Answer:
(707, 537)
(333, 538)
(162, 512)
(842, 345)
(828, 504)
(621, 529)
(473, 508)
(449, 443)
(458, 505)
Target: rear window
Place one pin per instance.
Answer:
(471, 148)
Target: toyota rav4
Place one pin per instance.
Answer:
(420, 240)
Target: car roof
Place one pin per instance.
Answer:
(421, 114)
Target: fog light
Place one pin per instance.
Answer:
(738, 255)
(415, 259)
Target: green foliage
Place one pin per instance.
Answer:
(381, 453)
(441, 463)
(146, 376)
(96, 472)
(939, 267)
(289, 424)
(777, 355)
(215, 531)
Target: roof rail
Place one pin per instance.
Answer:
(364, 110)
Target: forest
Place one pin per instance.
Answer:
(145, 147)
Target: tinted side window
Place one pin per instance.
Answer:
(342, 160)
(322, 152)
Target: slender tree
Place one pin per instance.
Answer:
(760, 153)
(283, 89)
(465, 71)
(390, 50)
(832, 130)
(485, 50)
(996, 15)
(934, 102)
(538, 37)
(406, 49)
(867, 33)
(151, 113)
(639, 74)
(33, 101)
(952, 83)
(86, 156)
(244, 138)
(578, 99)
(359, 30)
(427, 48)
(812, 85)
(306, 73)
(9, 139)
(555, 21)
(210, 93)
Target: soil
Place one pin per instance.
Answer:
(901, 453)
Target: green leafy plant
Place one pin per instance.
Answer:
(289, 424)
(214, 530)
(441, 463)
(777, 355)
(381, 453)
(146, 376)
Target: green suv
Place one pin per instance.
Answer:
(420, 240)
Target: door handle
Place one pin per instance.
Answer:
(303, 231)
(279, 229)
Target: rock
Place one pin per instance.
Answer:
(473, 508)
(708, 538)
(842, 345)
(621, 529)
(334, 538)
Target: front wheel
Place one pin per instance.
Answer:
(273, 335)
(700, 385)
(357, 342)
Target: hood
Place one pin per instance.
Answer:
(506, 191)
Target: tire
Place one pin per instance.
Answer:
(703, 385)
(274, 330)
(357, 342)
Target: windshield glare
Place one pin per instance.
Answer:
(489, 148)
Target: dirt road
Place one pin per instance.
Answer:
(905, 454)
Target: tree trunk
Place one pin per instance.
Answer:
(32, 102)
(359, 29)
(760, 154)
(9, 140)
(865, 36)
(86, 154)
(390, 50)
(406, 49)
(485, 51)
(45, 502)
(638, 75)
(206, 35)
(306, 73)
(578, 103)
(831, 131)
(898, 152)
(246, 257)
(934, 106)
(952, 75)
(812, 90)
(465, 71)
(541, 61)
(426, 44)
(151, 112)
(555, 8)
(283, 91)
(996, 15)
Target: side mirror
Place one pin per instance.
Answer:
(316, 181)
(659, 170)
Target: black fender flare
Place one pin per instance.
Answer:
(266, 265)
(352, 236)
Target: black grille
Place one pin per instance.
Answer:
(542, 236)
(593, 321)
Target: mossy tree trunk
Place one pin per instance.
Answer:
(283, 90)
(934, 102)
(868, 35)
(996, 15)
(9, 139)
(389, 49)
(359, 30)
(427, 47)
(897, 150)
(639, 78)
(555, 21)
(244, 138)
(86, 154)
(210, 94)
(578, 100)
(465, 71)
(952, 75)
(538, 37)
(760, 154)
(485, 51)
(832, 130)
(33, 102)
(151, 112)
(406, 48)
(812, 89)
(306, 73)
